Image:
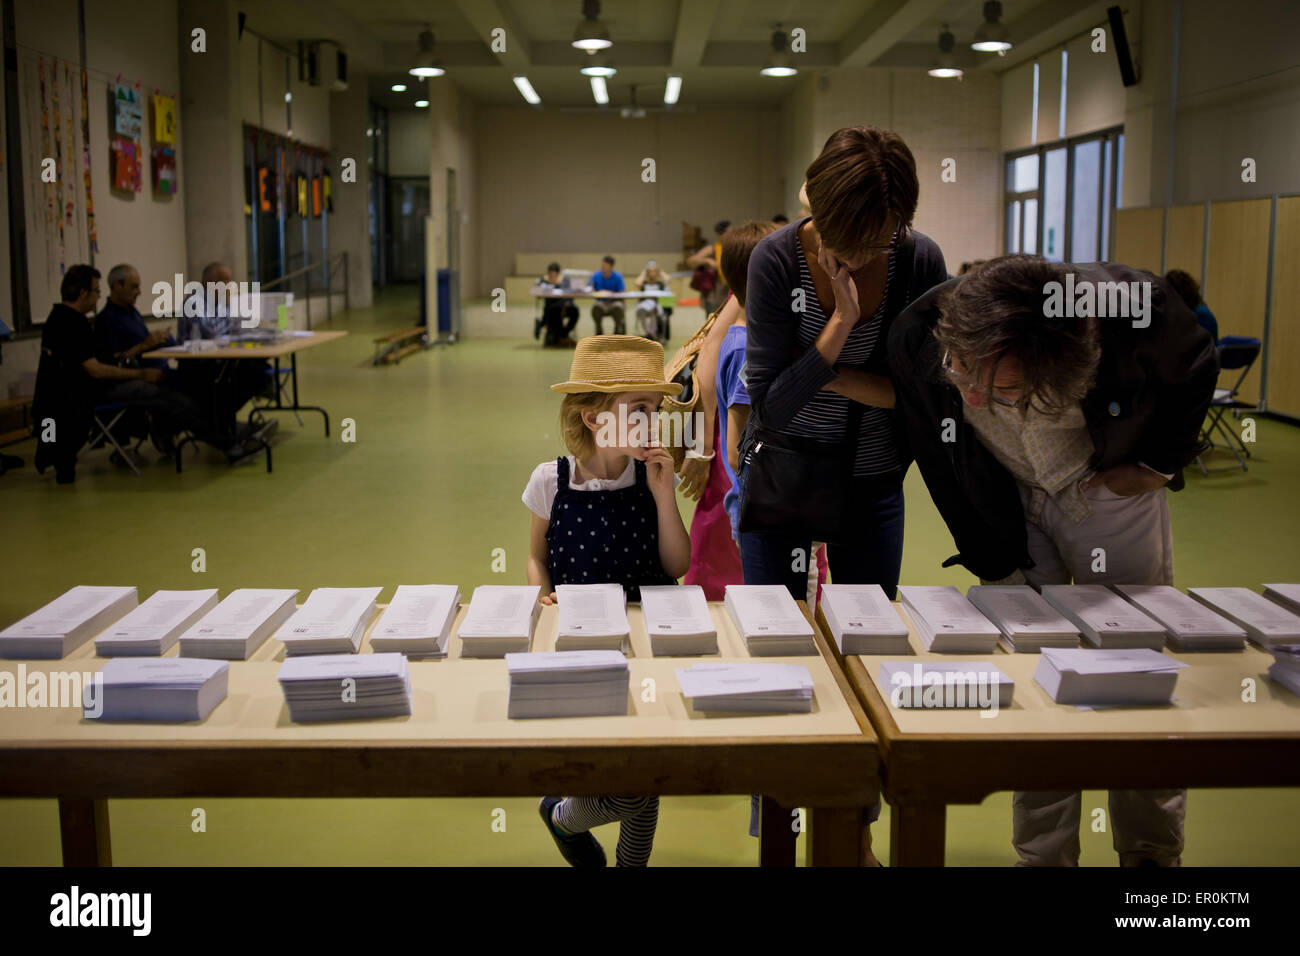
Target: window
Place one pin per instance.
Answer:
(1060, 197)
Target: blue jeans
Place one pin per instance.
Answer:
(874, 557)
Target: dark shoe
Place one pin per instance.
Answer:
(579, 849)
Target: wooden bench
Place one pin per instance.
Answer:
(392, 348)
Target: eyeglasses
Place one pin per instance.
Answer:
(966, 383)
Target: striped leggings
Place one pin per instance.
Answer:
(637, 816)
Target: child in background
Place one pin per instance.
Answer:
(607, 513)
(559, 316)
(649, 313)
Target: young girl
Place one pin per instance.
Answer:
(607, 513)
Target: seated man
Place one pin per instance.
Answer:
(70, 381)
(559, 316)
(607, 280)
(649, 313)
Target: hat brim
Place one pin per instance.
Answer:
(671, 389)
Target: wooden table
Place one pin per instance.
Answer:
(459, 742)
(1209, 737)
(274, 351)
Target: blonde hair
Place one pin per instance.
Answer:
(578, 438)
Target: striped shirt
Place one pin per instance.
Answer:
(825, 416)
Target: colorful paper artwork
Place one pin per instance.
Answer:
(129, 116)
(164, 170)
(126, 164)
(164, 119)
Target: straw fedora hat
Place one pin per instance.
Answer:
(617, 363)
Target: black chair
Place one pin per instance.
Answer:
(1235, 352)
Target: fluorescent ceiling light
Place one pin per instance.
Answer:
(399, 87)
(672, 90)
(421, 104)
(598, 90)
(526, 90)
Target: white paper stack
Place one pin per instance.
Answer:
(500, 620)
(1266, 624)
(945, 684)
(946, 622)
(746, 687)
(1287, 595)
(1100, 678)
(769, 620)
(67, 622)
(346, 686)
(417, 622)
(592, 617)
(568, 684)
(1104, 618)
(678, 621)
(1190, 624)
(151, 629)
(164, 688)
(862, 619)
(1027, 621)
(330, 621)
(239, 625)
(1285, 668)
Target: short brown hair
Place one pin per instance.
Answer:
(1188, 289)
(578, 438)
(738, 244)
(998, 310)
(863, 177)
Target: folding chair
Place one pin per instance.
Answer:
(105, 417)
(1235, 352)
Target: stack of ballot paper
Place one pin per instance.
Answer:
(1285, 668)
(942, 684)
(568, 684)
(1027, 622)
(769, 620)
(592, 617)
(946, 622)
(1104, 618)
(417, 622)
(346, 686)
(1097, 678)
(862, 619)
(1287, 595)
(67, 622)
(500, 620)
(1190, 624)
(751, 688)
(330, 621)
(239, 625)
(151, 629)
(678, 621)
(166, 688)
(1266, 624)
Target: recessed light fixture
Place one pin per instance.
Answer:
(991, 37)
(399, 87)
(672, 90)
(598, 90)
(590, 33)
(945, 66)
(421, 104)
(526, 90)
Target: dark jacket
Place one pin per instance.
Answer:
(1147, 405)
(780, 379)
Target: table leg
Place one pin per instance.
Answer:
(83, 827)
(835, 836)
(916, 834)
(775, 834)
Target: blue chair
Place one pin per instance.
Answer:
(1235, 352)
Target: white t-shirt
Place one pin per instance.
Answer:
(539, 494)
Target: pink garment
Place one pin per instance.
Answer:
(715, 558)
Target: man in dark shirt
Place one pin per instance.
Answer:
(120, 331)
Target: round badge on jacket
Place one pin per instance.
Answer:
(1114, 409)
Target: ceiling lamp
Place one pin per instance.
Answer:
(778, 61)
(399, 87)
(672, 90)
(426, 64)
(590, 34)
(991, 37)
(526, 90)
(599, 92)
(945, 67)
(598, 65)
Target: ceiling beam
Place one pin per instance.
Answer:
(694, 24)
(887, 22)
(1051, 23)
(489, 15)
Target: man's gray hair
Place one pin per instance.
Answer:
(119, 274)
(211, 269)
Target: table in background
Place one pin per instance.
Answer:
(458, 742)
(1209, 737)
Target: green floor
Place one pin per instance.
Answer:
(445, 442)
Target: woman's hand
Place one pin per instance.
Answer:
(846, 292)
(695, 475)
